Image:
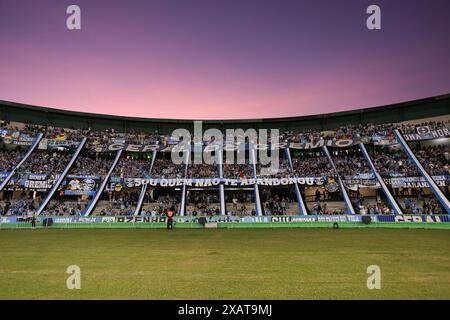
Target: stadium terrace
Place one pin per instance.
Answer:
(339, 166)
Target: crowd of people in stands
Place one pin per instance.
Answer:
(269, 170)
(410, 128)
(202, 171)
(361, 130)
(52, 132)
(393, 162)
(17, 207)
(298, 136)
(388, 161)
(45, 162)
(166, 169)
(202, 203)
(92, 164)
(9, 159)
(276, 205)
(237, 171)
(160, 205)
(130, 167)
(435, 159)
(427, 206)
(22, 204)
(239, 203)
(117, 203)
(94, 136)
(350, 162)
(321, 208)
(60, 207)
(312, 164)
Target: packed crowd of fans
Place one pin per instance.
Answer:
(393, 162)
(237, 171)
(298, 136)
(361, 130)
(409, 128)
(389, 162)
(300, 165)
(268, 170)
(95, 136)
(51, 161)
(92, 164)
(312, 165)
(9, 159)
(52, 132)
(166, 169)
(436, 160)
(129, 167)
(350, 162)
(202, 171)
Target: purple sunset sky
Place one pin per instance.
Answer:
(227, 59)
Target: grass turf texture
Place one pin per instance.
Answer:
(225, 263)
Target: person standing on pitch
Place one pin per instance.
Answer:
(33, 220)
(170, 215)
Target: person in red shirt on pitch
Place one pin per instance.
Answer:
(170, 213)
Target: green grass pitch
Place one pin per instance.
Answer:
(225, 263)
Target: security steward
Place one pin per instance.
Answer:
(33, 220)
(170, 213)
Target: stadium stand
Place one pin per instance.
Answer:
(343, 183)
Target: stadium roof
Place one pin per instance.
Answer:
(410, 110)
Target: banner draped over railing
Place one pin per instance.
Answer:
(86, 185)
(234, 219)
